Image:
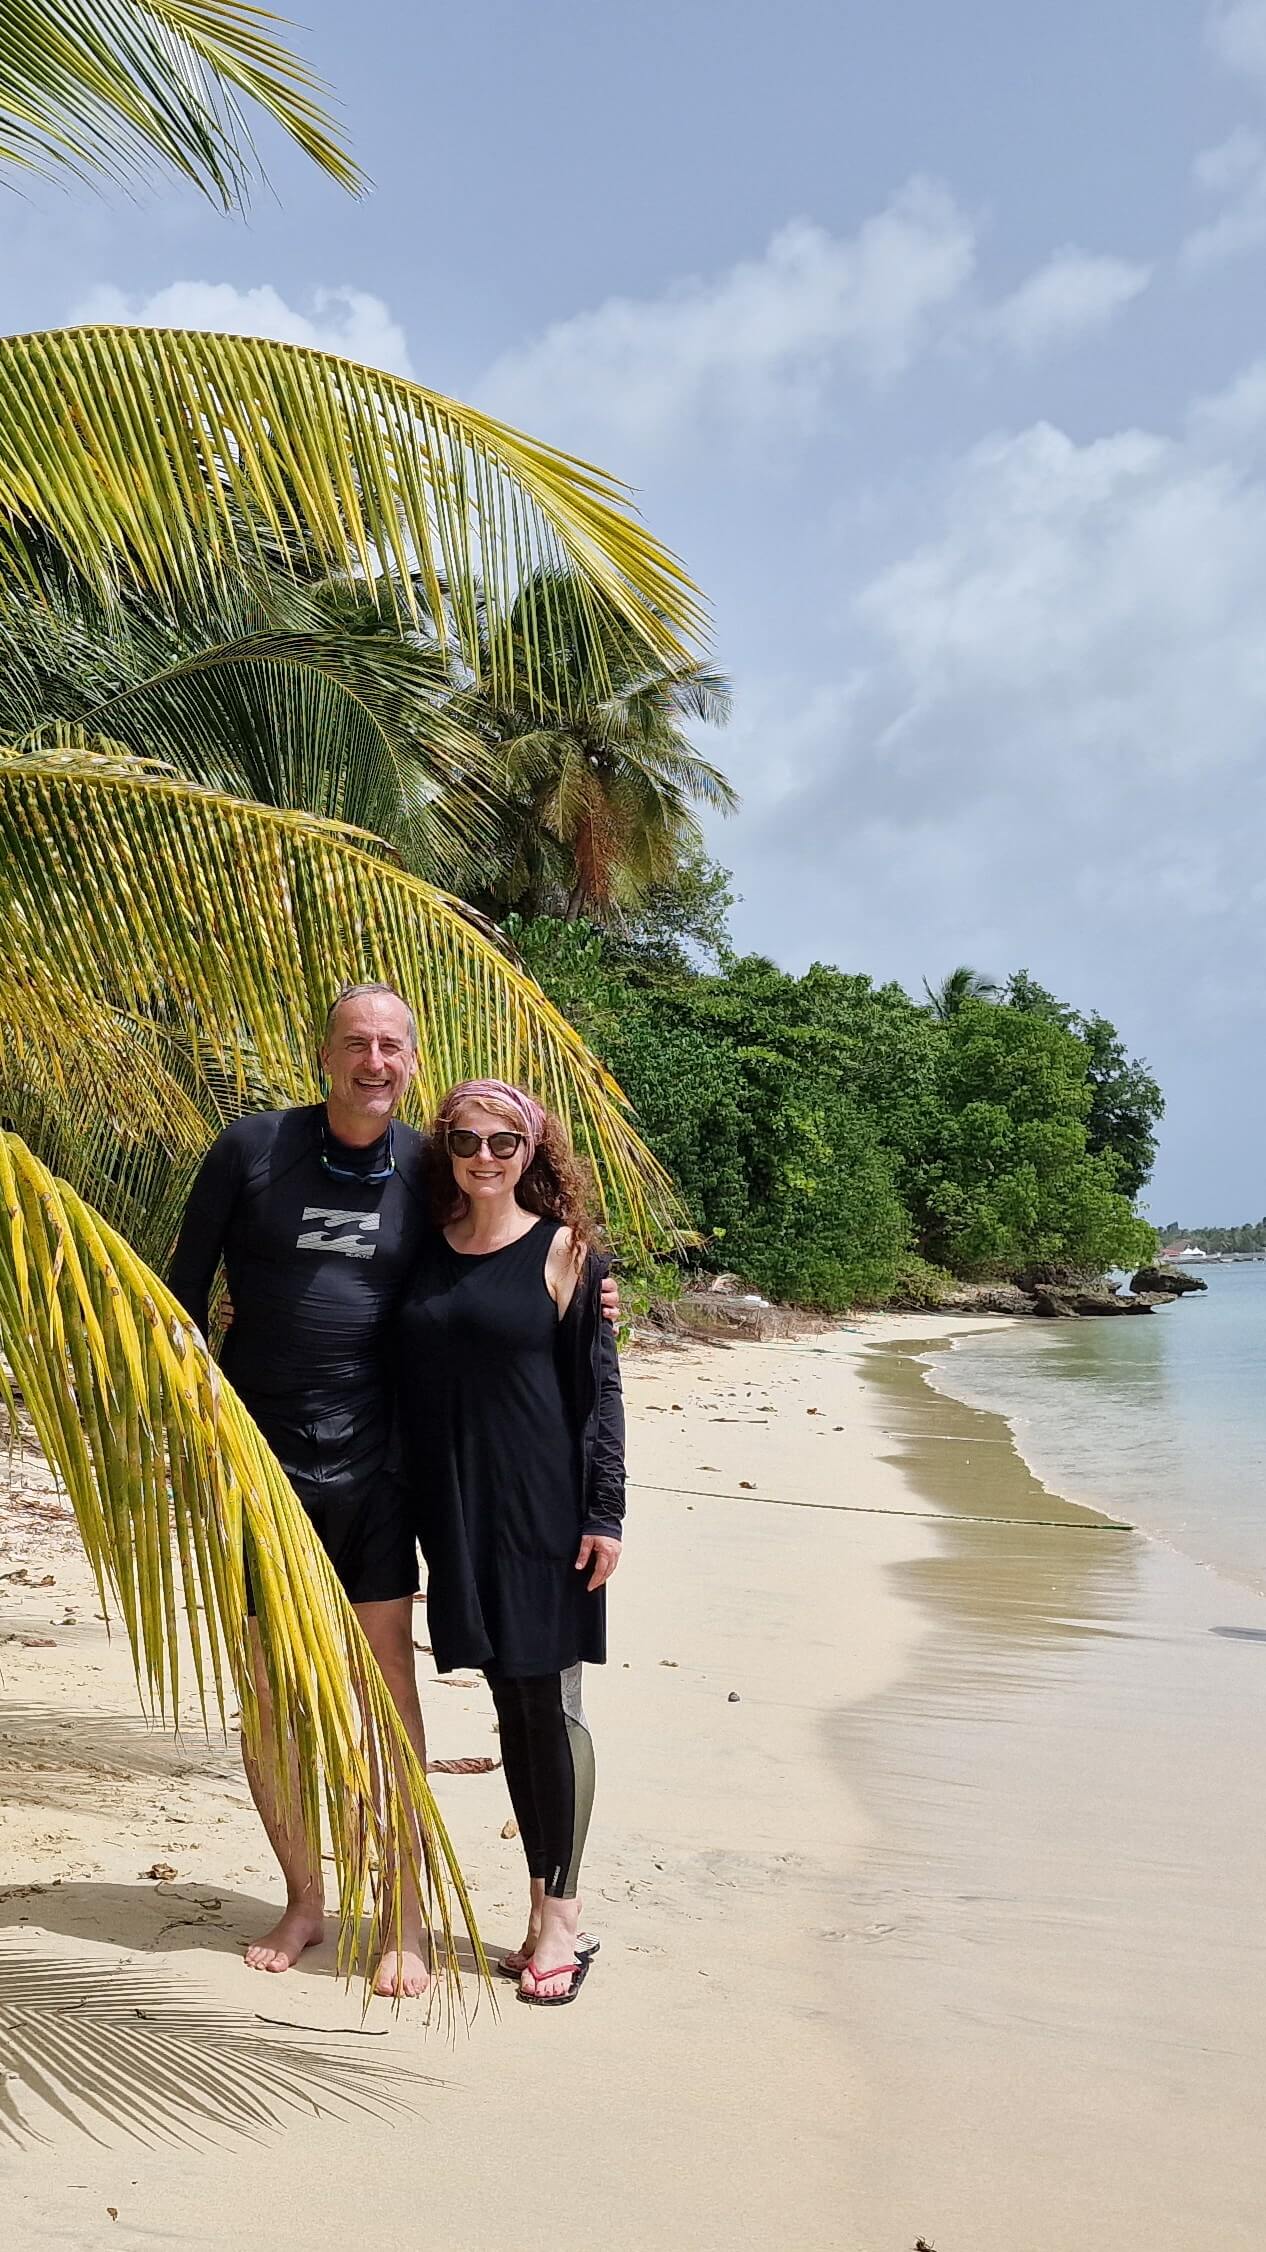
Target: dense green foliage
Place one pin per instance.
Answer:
(1126, 1104)
(833, 1139)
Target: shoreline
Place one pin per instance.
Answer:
(1036, 1392)
(1067, 1875)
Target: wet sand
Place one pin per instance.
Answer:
(1064, 2023)
(924, 1863)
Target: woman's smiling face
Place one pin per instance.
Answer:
(484, 1178)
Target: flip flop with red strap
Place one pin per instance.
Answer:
(585, 1948)
(579, 1972)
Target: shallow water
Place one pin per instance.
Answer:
(1160, 1419)
(1056, 1968)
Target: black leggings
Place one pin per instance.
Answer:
(547, 1754)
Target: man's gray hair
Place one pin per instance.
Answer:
(372, 989)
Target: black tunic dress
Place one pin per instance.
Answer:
(492, 1449)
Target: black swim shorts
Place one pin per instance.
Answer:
(338, 1465)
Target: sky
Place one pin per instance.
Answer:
(931, 338)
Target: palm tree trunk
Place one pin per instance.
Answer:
(575, 901)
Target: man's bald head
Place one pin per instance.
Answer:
(353, 993)
(370, 1053)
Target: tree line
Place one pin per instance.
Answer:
(1251, 1236)
(838, 1143)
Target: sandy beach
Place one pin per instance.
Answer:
(899, 1821)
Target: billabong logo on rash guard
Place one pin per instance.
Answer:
(339, 1231)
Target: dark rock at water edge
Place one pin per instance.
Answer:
(1166, 1282)
(985, 1298)
(1064, 1304)
(1057, 1275)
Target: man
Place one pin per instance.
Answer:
(318, 1214)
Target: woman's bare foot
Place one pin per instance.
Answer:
(555, 1951)
(519, 1957)
(516, 1961)
(402, 1974)
(302, 1925)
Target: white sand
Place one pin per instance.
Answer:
(695, 2094)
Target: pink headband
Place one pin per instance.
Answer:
(526, 1112)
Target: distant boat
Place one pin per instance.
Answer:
(1188, 1251)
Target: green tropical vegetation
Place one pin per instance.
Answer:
(962, 984)
(597, 780)
(837, 1143)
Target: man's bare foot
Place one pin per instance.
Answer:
(301, 1926)
(402, 1974)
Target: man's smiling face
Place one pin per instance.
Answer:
(369, 1058)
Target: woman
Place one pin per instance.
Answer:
(512, 1427)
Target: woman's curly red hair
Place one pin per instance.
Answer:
(556, 1183)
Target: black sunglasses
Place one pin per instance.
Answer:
(463, 1141)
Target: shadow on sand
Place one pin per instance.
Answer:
(121, 2050)
(65, 1759)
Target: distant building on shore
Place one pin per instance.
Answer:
(1176, 1251)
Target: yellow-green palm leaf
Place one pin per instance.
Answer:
(127, 891)
(174, 1489)
(131, 87)
(170, 458)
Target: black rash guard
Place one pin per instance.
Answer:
(316, 1263)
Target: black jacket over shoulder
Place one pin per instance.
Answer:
(589, 1373)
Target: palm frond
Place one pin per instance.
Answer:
(113, 1106)
(176, 1494)
(352, 730)
(667, 761)
(700, 692)
(130, 88)
(273, 691)
(168, 459)
(137, 892)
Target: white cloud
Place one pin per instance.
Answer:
(1046, 746)
(1104, 596)
(768, 338)
(348, 321)
(1235, 169)
(1236, 32)
(1074, 292)
(1230, 164)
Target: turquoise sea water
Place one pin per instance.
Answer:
(1160, 1419)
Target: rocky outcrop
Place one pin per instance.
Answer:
(717, 1315)
(1049, 1274)
(984, 1298)
(1055, 1303)
(1166, 1282)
